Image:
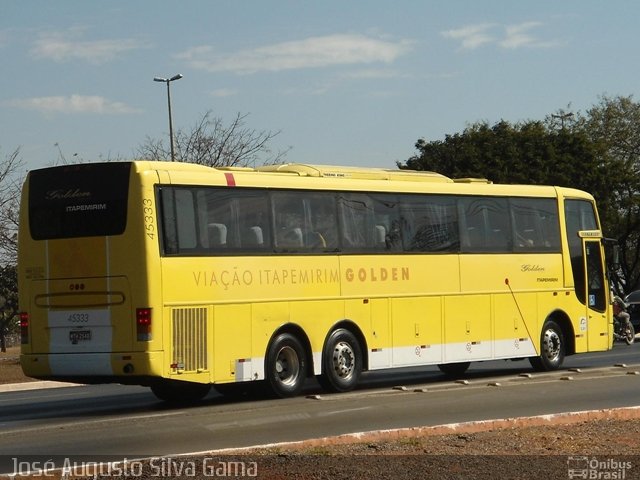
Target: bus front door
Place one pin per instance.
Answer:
(597, 318)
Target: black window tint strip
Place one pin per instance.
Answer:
(240, 221)
(84, 200)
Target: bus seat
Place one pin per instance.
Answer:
(475, 238)
(253, 237)
(217, 234)
(291, 238)
(380, 236)
(316, 240)
(529, 236)
(498, 239)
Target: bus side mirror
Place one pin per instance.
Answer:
(612, 250)
(615, 256)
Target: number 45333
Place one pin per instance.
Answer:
(149, 218)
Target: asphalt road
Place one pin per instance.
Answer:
(109, 422)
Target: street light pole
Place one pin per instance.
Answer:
(168, 81)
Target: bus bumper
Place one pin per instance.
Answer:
(110, 367)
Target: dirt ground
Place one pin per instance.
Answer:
(607, 446)
(599, 449)
(10, 370)
(604, 448)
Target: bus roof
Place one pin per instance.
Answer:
(359, 175)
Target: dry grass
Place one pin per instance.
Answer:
(10, 370)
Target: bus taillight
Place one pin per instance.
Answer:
(143, 324)
(24, 327)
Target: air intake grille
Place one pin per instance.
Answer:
(190, 339)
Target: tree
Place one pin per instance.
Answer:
(598, 151)
(614, 125)
(531, 152)
(574, 154)
(210, 142)
(8, 303)
(10, 185)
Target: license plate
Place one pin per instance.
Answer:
(79, 336)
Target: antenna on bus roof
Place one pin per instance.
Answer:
(355, 173)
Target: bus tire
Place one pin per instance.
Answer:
(172, 391)
(552, 348)
(286, 366)
(629, 333)
(341, 362)
(454, 370)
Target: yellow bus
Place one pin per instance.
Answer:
(179, 276)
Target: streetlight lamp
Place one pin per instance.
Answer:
(562, 117)
(168, 81)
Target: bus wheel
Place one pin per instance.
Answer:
(552, 348)
(454, 370)
(629, 333)
(180, 392)
(341, 362)
(286, 366)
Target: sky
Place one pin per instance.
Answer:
(343, 82)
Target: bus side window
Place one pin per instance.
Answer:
(201, 215)
(217, 219)
(535, 224)
(486, 226)
(169, 233)
(180, 230)
(253, 219)
(185, 220)
(431, 223)
(386, 212)
(288, 216)
(356, 222)
(322, 234)
(499, 238)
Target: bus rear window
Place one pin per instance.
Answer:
(84, 200)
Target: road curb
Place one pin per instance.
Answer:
(565, 418)
(19, 387)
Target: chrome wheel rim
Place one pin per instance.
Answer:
(287, 366)
(552, 345)
(344, 360)
(630, 333)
